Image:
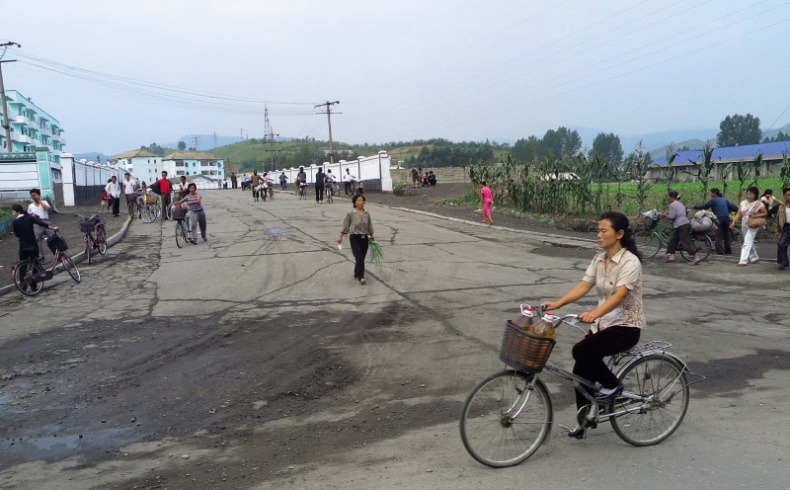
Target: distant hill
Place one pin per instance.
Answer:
(208, 141)
(92, 156)
(692, 144)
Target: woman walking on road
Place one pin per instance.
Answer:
(750, 209)
(195, 203)
(360, 228)
(486, 200)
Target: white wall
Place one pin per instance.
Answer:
(373, 168)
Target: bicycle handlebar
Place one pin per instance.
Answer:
(571, 320)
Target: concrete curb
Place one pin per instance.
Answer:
(559, 240)
(81, 256)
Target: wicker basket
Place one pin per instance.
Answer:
(87, 225)
(523, 351)
(180, 212)
(150, 199)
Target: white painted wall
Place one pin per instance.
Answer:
(372, 168)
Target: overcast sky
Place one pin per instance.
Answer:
(458, 69)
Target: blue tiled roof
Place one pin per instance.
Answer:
(744, 152)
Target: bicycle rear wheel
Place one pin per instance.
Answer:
(101, 238)
(702, 243)
(505, 419)
(663, 381)
(650, 246)
(70, 267)
(24, 273)
(148, 214)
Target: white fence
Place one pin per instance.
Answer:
(373, 169)
(83, 182)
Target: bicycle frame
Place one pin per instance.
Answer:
(579, 383)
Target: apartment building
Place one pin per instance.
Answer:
(144, 165)
(31, 127)
(194, 163)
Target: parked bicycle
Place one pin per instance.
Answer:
(657, 239)
(508, 415)
(95, 236)
(183, 226)
(149, 207)
(29, 275)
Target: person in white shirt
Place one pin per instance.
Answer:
(113, 189)
(39, 209)
(129, 188)
(347, 180)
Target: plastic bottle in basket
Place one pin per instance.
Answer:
(524, 321)
(545, 327)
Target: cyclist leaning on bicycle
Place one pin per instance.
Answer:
(24, 229)
(681, 229)
(617, 321)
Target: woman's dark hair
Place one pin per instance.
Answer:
(768, 192)
(18, 208)
(483, 182)
(785, 190)
(191, 186)
(620, 222)
(754, 191)
(355, 198)
(673, 194)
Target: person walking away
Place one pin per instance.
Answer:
(113, 189)
(772, 204)
(347, 180)
(721, 207)
(255, 182)
(618, 320)
(233, 180)
(319, 186)
(39, 209)
(359, 227)
(486, 200)
(283, 181)
(194, 202)
(783, 231)
(750, 209)
(681, 229)
(414, 176)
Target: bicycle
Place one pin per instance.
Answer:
(95, 236)
(329, 191)
(29, 275)
(302, 190)
(183, 226)
(133, 208)
(508, 415)
(658, 239)
(150, 208)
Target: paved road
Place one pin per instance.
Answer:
(256, 361)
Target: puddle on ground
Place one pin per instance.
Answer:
(277, 231)
(54, 445)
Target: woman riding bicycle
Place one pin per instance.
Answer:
(616, 274)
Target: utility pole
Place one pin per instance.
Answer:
(268, 134)
(196, 143)
(328, 106)
(6, 123)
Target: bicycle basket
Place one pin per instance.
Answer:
(180, 212)
(523, 351)
(87, 225)
(55, 242)
(150, 199)
(650, 223)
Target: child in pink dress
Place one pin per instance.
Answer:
(486, 200)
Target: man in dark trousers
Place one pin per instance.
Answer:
(783, 232)
(24, 229)
(319, 185)
(721, 207)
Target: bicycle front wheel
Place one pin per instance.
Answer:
(24, 275)
(101, 237)
(650, 246)
(70, 267)
(506, 418)
(663, 384)
(181, 234)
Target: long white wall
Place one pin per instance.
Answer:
(375, 168)
(81, 180)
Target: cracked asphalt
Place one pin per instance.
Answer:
(255, 361)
